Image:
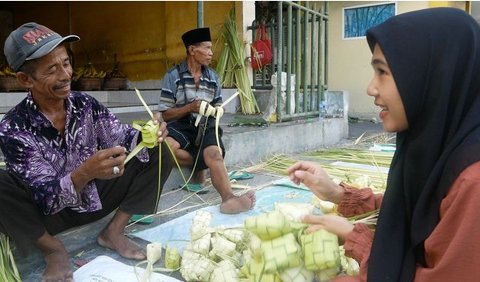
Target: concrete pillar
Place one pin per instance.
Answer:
(248, 13)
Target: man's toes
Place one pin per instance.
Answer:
(139, 255)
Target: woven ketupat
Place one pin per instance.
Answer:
(201, 245)
(281, 253)
(235, 235)
(200, 224)
(254, 247)
(172, 258)
(320, 250)
(221, 247)
(268, 226)
(255, 271)
(327, 274)
(297, 274)
(196, 267)
(224, 272)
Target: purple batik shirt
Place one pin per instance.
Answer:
(44, 159)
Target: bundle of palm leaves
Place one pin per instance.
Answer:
(8, 269)
(231, 66)
(360, 168)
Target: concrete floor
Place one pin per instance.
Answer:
(81, 242)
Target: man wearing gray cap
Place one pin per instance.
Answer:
(184, 88)
(65, 156)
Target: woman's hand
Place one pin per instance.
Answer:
(317, 180)
(335, 224)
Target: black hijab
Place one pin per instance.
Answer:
(434, 56)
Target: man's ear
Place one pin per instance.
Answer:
(25, 80)
(191, 49)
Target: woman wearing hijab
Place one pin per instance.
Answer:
(427, 84)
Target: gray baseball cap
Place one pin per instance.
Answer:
(32, 41)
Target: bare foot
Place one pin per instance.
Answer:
(238, 204)
(120, 243)
(58, 267)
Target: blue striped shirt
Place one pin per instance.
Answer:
(177, 94)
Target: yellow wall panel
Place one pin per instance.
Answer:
(215, 14)
(146, 36)
(135, 31)
(455, 4)
(51, 14)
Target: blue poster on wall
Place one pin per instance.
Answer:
(356, 20)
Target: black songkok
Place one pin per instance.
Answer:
(196, 36)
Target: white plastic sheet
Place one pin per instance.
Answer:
(106, 269)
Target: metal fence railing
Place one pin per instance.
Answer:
(299, 43)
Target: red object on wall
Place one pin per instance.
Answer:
(261, 49)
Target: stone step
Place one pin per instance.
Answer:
(120, 101)
(244, 144)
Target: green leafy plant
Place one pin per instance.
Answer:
(231, 66)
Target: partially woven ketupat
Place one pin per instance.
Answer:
(349, 265)
(320, 250)
(154, 253)
(294, 211)
(325, 206)
(148, 132)
(268, 226)
(281, 253)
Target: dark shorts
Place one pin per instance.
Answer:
(185, 133)
(135, 192)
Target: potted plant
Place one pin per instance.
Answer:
(88, 78)
(115, 79)
(8, 80)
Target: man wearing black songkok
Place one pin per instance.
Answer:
(184, 88)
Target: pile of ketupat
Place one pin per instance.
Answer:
(270, 247)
